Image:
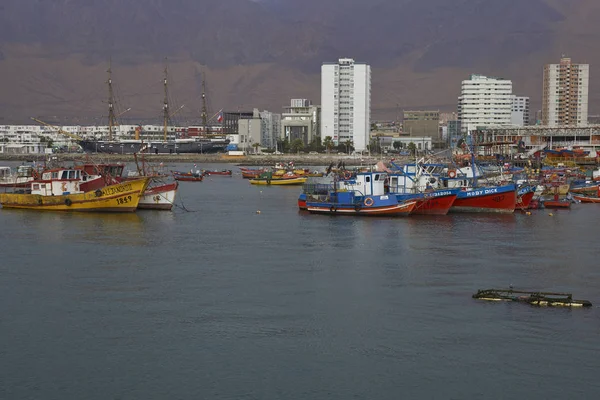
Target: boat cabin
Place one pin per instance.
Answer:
(22, 177)
(58, 182)
(366, 184)
(5, 173)
(415, 178)
(114, 170)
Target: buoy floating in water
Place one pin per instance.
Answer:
(528, 213)
(550, 214)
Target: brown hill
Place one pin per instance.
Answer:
(261, 53)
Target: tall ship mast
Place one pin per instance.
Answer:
(165, 105)
(164, 146)
(111, 104)
(204, 108)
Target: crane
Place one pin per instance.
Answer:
(57, 129)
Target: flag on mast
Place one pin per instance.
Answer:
(220, 117)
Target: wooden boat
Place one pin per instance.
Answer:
(187, 176)
(586, 189)
(393, 209)
(224, 172)
(549, 299)
(288, 181)
(248, 173)
(160, 197)
(587, 199)
(63, 193)
(557, 204)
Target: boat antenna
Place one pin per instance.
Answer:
(165, 104)
(204, 111)
(111, 100)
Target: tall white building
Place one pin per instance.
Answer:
(565, 94)
(520, 111)
(484, 101)
(346, 102)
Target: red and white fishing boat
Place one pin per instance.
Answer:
(22, 178)
(421, 182)
(160, 197)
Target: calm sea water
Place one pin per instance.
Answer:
(225, 303)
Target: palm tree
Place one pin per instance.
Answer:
(328, 143)
(297, 145)
(349, 144)
(256, 146)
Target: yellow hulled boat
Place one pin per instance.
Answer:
(289, 181)
(60, 190)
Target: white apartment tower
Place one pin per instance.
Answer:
(565, 94)
(484, 101)
(520, 111)
(346, 102)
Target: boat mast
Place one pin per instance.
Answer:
(204, 111)
(165, 106)
(111, 110)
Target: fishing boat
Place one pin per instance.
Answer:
(280, 182)
(421, 182)
(187, 176)
(363, 196)
(224, 172)
(160, 197)
(157, 195)
(586, 199)
(251, 173)
(533, 298)
(60, 190)
(585, 188)
(24, 175)
(524, 196)
(557, 203)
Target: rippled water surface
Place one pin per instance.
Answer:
(225, 303)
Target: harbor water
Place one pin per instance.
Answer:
(216, 301)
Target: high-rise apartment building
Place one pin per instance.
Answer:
(346, 102)
(520, 111)
(565, 94)
(484, 101)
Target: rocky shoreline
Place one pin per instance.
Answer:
(249, 160)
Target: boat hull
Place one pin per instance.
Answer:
(499, 199)
(431, 203)
(223, 173)
(586, 199)
(292, 181)
(393, 210)
(159, 197)
(524, 197)
(557, 204)
(302, 201)
(122, 197)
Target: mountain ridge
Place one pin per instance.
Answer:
(262, 53)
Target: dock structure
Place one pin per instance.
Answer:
(528, 140)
